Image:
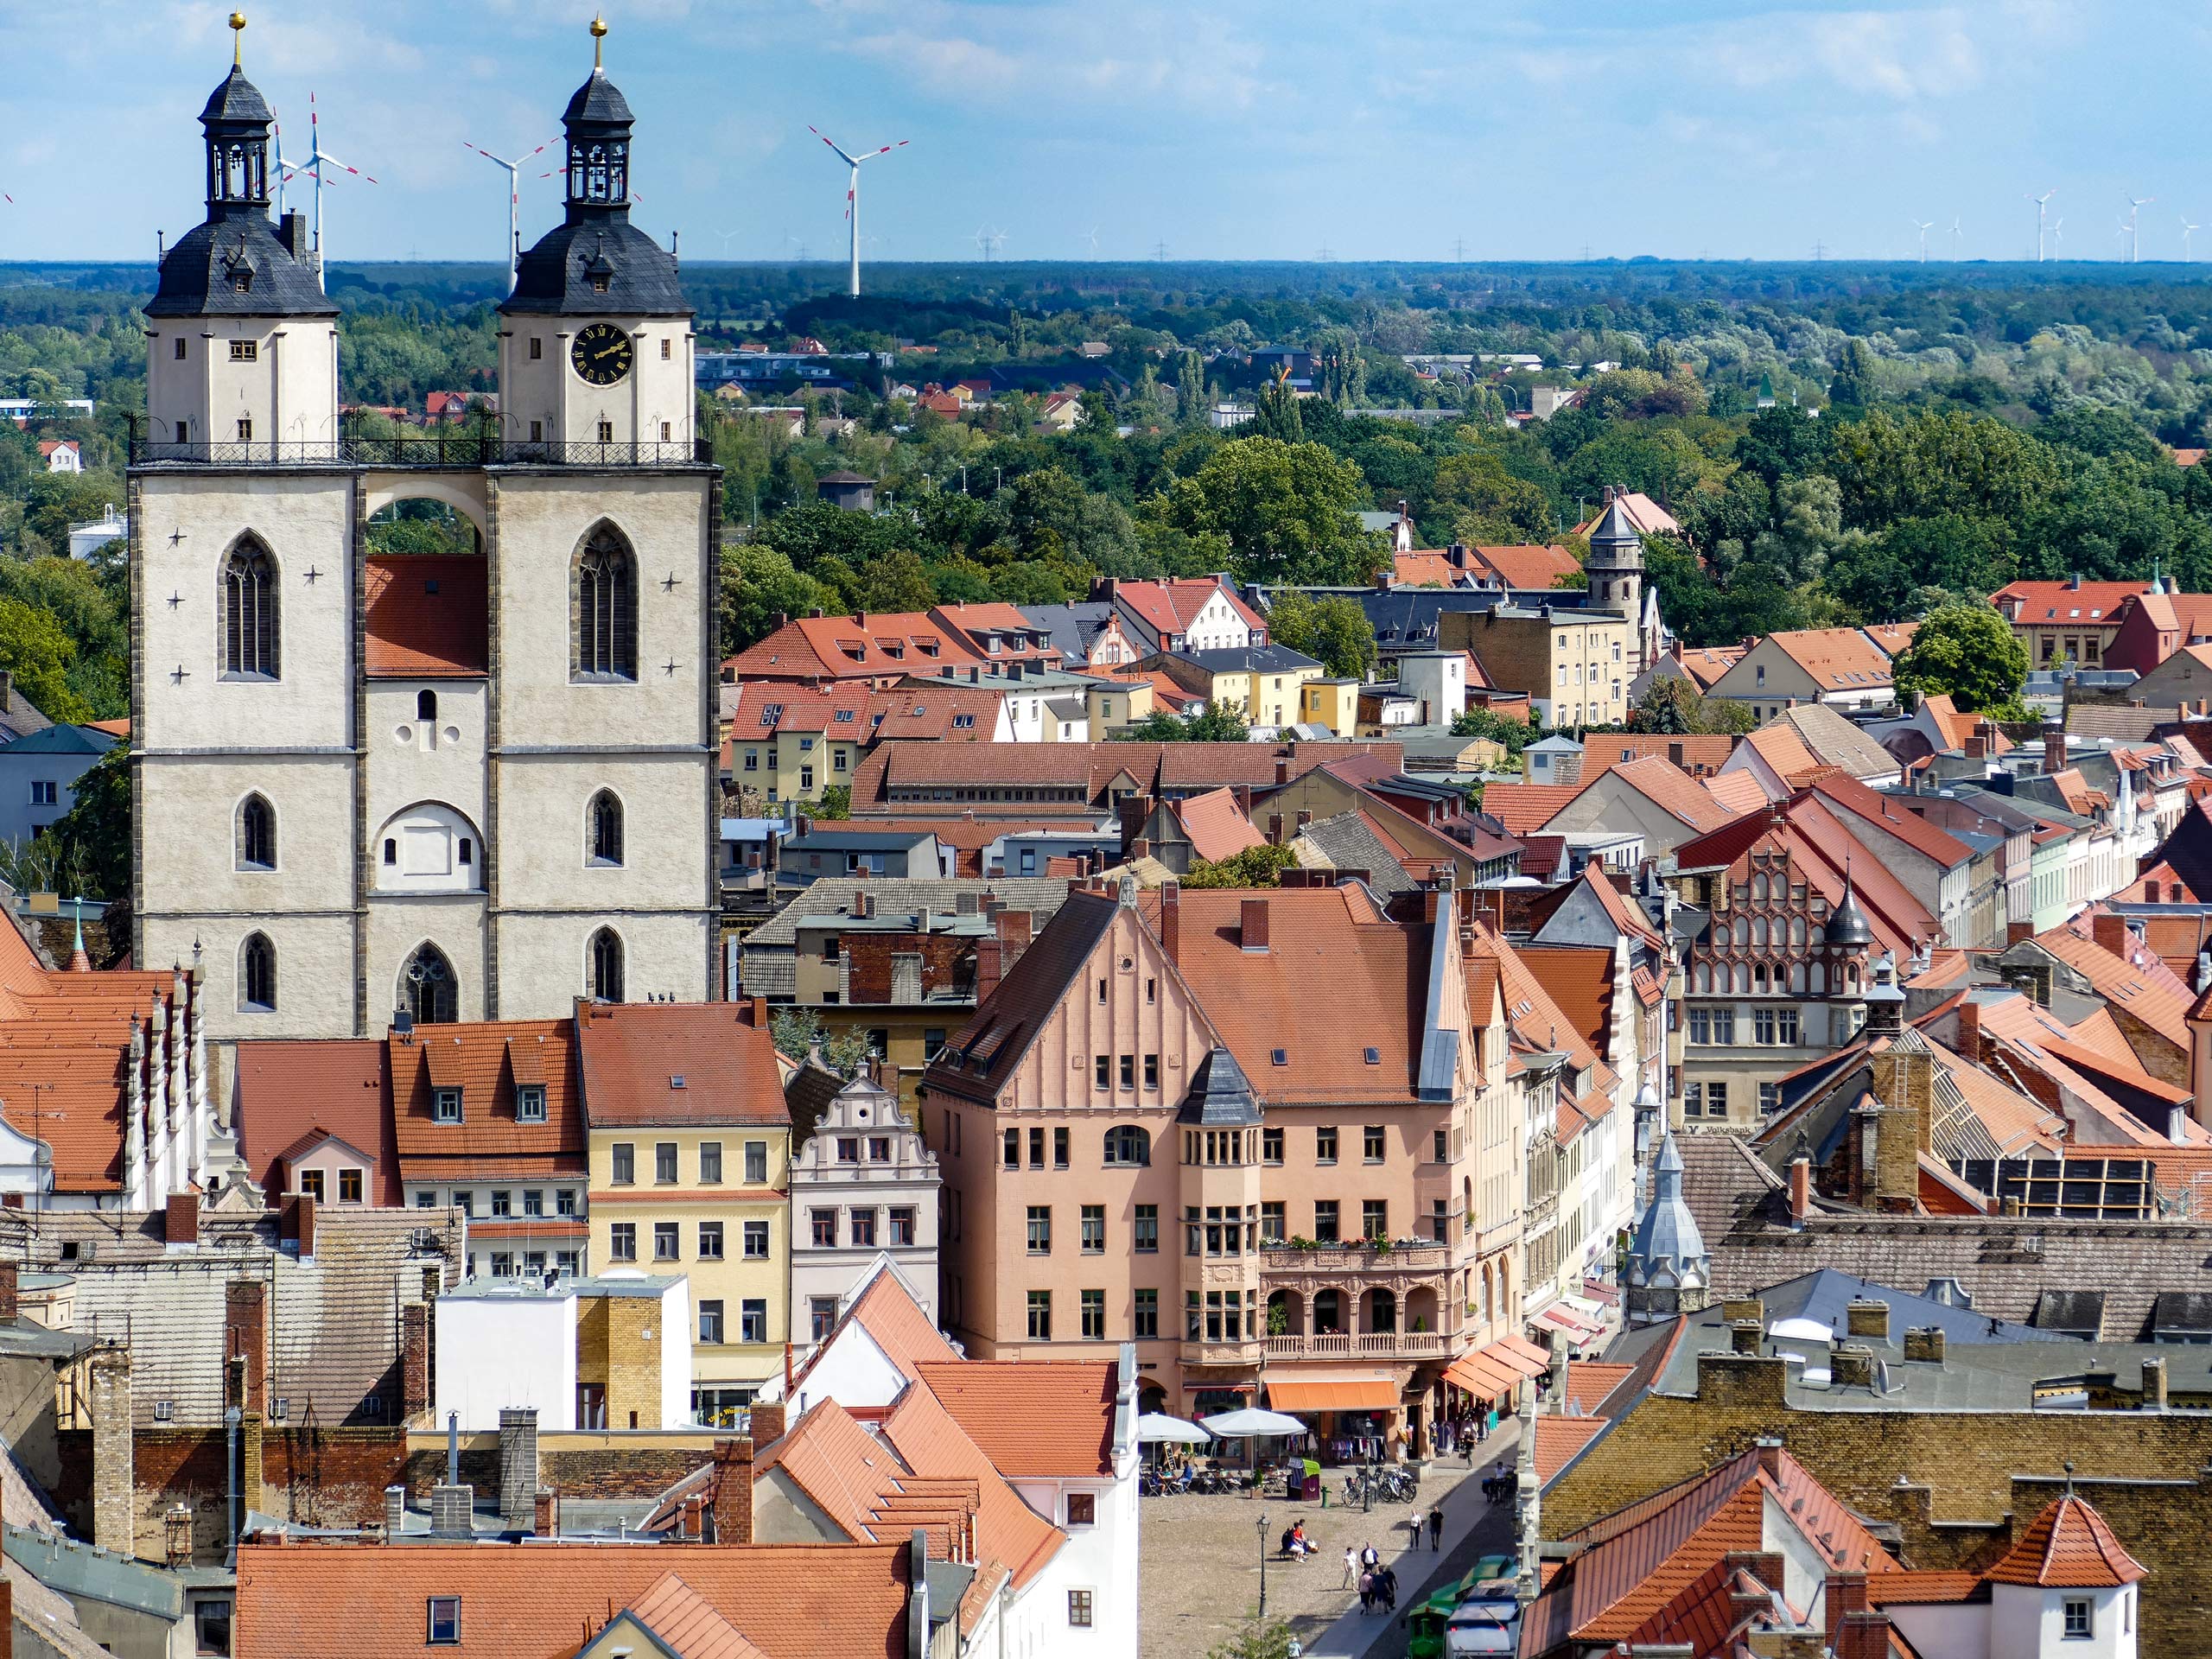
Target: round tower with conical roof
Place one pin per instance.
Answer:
(241, 343)
(595, 353)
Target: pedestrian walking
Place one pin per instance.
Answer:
(1390, 1589)
(1366, 1592)
(1351, 1569)
(1482, 1426)
(1370, 1558)
(1435, 1527)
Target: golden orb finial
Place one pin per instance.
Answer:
(598, 35)
(238, 27)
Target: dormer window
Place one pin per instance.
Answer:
(242, 280)
(599, 282)
(445, 1105)
(530, 1103)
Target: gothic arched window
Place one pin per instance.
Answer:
(604, 829)
(256, 974)
(607, 966)
(256, 837)
(606, 608)
(250, 612)
(426, 988)
(426, 705)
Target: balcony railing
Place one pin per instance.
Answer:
(1362, 1345)
(458, 449)
(1359, 1259)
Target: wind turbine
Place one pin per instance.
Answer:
(2187, 230)
(2057, 234)
(853, 192)
(989, 242)
(514, 204)
(1092, 239)
(1958, 240)
(1924, 227)
(2135, 204)
(319, 161)
(2041, 204)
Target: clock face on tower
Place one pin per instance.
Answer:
(601, 355)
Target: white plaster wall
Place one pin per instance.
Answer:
(543, 521)
(409, 762)
(542, 959)
(314, 970)
(852, 1370)
(496, 1353)
(305, 521)
(541, 831)
(548, 389)
(188, 850)
(400, 923)
(289, 391)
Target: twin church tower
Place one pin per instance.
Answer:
(455, 785)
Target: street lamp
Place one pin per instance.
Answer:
(1263, 1564)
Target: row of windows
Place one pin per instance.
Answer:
(255, 827)
(1129, 1145)
(1213, 1230)
(508, 1264)
(859, 1227)
(603, 644)
(667, 1241)
(1773, 1027)
(428, 992)
(501, 1200)
(1207, 1316)
(667, 1159)
(752, 1321)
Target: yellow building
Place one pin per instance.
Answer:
(690, 1174)
(1264, 684)
(1332, 703)
(790, 742)
(1572, 665)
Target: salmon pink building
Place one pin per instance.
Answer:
(1271, 1139)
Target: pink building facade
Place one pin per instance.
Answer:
(1269, 1138)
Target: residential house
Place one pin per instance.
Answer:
(793, 741)
(1261, 683)
(1060, 412)
(1959, 885)
(832, 849)
(315, 1118)
(1573, 664)
(2071, 621)
(1333, 705)
(1651, 798)
(573, 1353)
(690, 1158)
(1195, 614)
(2149, 628)
(1087, 633)
(1844, 668)
(865, 1196)
(2182, 681)
(1211, 827)
(39, 773)
(882, 648)
(1396, 527)
(61, 455)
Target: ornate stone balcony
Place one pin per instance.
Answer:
(1363, 1344)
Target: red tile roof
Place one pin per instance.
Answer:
(1706, 663)
(487, 1061)
(1885, 812)
(1525, 808)
(2029, 602)
(426, 616)
(791, 1601)
(1216, 828)
(1837, 659)
(1672, 792)
(1589, 1383)
(1045, 1420)
(1698, 753)
(1170, 607)
(687, 1624)
(1559, 1440)
(288, 1091)
(1008, 1533)
(845, 647)
(2067, 1547)
(2144, 986)
(634, 1053)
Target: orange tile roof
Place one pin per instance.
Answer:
(682, 1619)
(1706, 663)
(2145, 987)
(1627, 915)
(1673, 791)
(1527, 565)
(285, 1090)
(634, 1052)
(487, 1061)
(425, 616)
(1842, 790)
(1008, 1533)
(2063, 601)
(1891, 637)
(1837, 659)
(1426, 567)
(1216, 828)
(1170, 607)
(844, 647)
(1699, 753)
(1908, 1589)
(895, 1322)
(1589, 1383)
(1779, 746)
(2067, 1547)
(1579, 978)
(1524, 809)
(112, 728)
(792, 1601)
(1645, 515)
(1736, 793)
(1559, 1440)
(1048, 1419)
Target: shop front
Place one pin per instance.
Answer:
(1356, 1417)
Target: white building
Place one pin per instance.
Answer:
(62, 455)
(511, 1344)
(2066, 1590)
(87, 538)
(462, 787)
(865, 1194)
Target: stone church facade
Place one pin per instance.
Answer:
(451, 786)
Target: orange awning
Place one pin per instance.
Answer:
(1497, 1369)
(1332, 1394)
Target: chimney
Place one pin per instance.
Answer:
(766, 1418)
(1924, 1345)
(1801, 1191)
(1743, 1335)
(1867, 1317)
(297, 1225)
(182, 1223)
(113, 1486)
(1851, 1365)
(1863, 1635)
(1847, 1594)
(1970, 1031)
(517, 1463)
(694, 1511)
(414, 1360)
(863, 905)
(2110, 931)
(1282, 771)
(545, 1516)
(8, 1292)
(1733, 1308)
(733, 1491)
(1170, 920)
(1770, 1454)
(1252, 928)
(395, 1511)
(987, 972)
(1274, 828)
(2053, 745)
(1304, 818)
(246, 1341)
(453, 1511)
(2154, 1384)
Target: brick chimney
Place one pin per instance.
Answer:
(296, 1226)
(733, 1491)
(694, 1522)
(1970, 1031)
(9, 1305)
(1863, 1635)
(1867, 1317)
(517, 1463)
(1801, 1191)
(414, 1359)
(245, 1339)
(2110, 932)
(766, 1418)
(1847, 1594)
(545, 1517)
(180, 1224)
(1170, 920)
(1252, 925)
(2053, 745)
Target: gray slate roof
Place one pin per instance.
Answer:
(1349, 843)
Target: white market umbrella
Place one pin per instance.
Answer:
(1251, 1419)
(1157, 1427)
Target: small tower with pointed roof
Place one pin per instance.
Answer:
(1615, 568)
(1669, 1269)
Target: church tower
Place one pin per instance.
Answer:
(1615, 568)
(372, 785)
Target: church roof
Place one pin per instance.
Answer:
(198, 272)
(236, 100)
(598, 99)
(557, 277)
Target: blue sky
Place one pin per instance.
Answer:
(1378, 129)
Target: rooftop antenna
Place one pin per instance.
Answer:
(852, 195)
(2135, 205)
(318, 162)
(514, 203)
(2187, 230)
(2042, 205)
(1924, 227)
